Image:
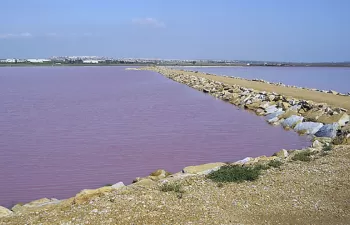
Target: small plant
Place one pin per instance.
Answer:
(175, 187)
(235, 173)
(275, 163)
(108, 185)
(262, 167)
(304, 156)
(220, 185)
(327, 148)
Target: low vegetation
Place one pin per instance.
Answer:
(275, 163)
(235, 173)
(327, 148)
(175, 187)
(262, 167)
(304, 156)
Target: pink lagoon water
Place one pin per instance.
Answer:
(64, 129)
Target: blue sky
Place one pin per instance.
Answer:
(186, 29)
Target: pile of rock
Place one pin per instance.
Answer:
(279, 84)
(305, 117)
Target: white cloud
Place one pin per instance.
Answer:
(148, 22)
(26, 34)
(21, 35)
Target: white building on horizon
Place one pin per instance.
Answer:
(38, 60)
(91, 61)
(8, 60)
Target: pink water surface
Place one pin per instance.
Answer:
(64, 129)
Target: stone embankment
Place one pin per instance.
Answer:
(283, 85)
(304, 116)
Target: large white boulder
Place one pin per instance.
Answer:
(308, 127)
(292, 121)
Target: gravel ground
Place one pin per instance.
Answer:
(316, 192)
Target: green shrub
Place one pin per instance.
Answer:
(108, 185)
(327, 148)
(275, 163)
(262, 167)
(235, 173)
(303, 156)
(175, 187)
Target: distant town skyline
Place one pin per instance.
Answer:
(295, 31)
(103, 58)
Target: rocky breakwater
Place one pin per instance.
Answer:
(284, 85)
(303, 116)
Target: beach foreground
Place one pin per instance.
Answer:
(315, 192)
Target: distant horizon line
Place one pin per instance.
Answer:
(167, 59)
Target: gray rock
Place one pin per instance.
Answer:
(317, 144)
(328, 130)
(118, 185)
(277, 121)
(271, 97)
(275, 114)
(247, 98)
(282, 154)
(271, 109)
(295, 108)
(308, 127)
(332, 92)
(273, 120)
(245, 160)
(202, 169)
(292, 120)
(260, 112)
(265, 105)
(344, 119)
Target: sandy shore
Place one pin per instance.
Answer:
(315, 192)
